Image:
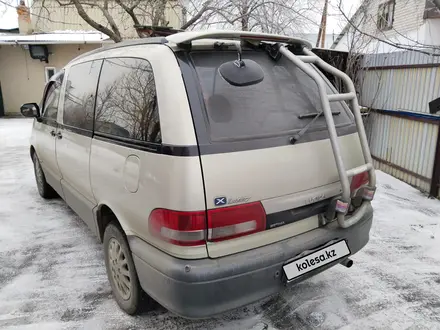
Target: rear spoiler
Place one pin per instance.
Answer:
(185, 38)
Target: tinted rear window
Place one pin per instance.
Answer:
(269, 108)
(126, 105)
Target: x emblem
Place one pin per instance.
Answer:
(220, 201)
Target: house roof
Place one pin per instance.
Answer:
(357, 13)
(56, 37)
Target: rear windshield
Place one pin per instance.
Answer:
(269, 108)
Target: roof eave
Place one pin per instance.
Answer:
(50, 42)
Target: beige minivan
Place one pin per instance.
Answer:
(216, 167)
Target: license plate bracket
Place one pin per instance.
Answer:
(315, 260)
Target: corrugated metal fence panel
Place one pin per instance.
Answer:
(409, 89)
(398, 58)
(403, 148)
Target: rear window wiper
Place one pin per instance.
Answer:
(315, 116)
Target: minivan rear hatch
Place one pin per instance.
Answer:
(250, 165)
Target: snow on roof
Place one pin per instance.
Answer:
(57, 37)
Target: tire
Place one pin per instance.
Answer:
(45, 190)
(121, 271)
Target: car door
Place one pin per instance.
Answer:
(73, 142)
(46, 130)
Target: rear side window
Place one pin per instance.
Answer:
(80, 95)
(269, 108)
(126, 104)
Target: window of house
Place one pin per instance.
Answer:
(51, 101)
(79, 100)
(126, 104)
(385, 15)
(49, 72)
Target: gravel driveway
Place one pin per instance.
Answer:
(52, 273)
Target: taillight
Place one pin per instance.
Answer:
(189, 228)
(360, 190)
(179, 228)
(358, 181)
(235, 221)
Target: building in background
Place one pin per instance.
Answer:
(312, 37)
(409, 23)
(399, 80)
(50, 36)
(47, 15)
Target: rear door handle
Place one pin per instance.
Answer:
(59, 135)
(52, 133)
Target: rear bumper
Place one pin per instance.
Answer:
(201, 288)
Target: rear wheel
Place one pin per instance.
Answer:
(120, 270)
(45, 190)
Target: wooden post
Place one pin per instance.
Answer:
(435, 181)
(323, 26)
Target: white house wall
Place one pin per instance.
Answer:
(67, 18)
(23, 78)
(408, 16)
(409, 27)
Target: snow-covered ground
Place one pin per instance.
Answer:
(52, 273)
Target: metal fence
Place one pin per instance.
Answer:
(400, 81)
(403, 147)
(403, 136)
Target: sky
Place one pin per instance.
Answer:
(335, 21)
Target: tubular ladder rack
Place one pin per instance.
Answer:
(341, 205)
(344, 175)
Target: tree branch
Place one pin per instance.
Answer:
(130, 12)
(110, 19)
(197, 16)
(390, 43)
(116, 37)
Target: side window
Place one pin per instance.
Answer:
(51, 101)
(126, 104)
(79, 100)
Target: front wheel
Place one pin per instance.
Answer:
(120, 270)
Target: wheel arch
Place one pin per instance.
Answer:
(104, 215)
(32, 152)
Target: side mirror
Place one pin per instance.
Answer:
(30, 110)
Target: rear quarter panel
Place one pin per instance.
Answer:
(164, 181)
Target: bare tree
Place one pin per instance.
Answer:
(272, 16)
(115, 17)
